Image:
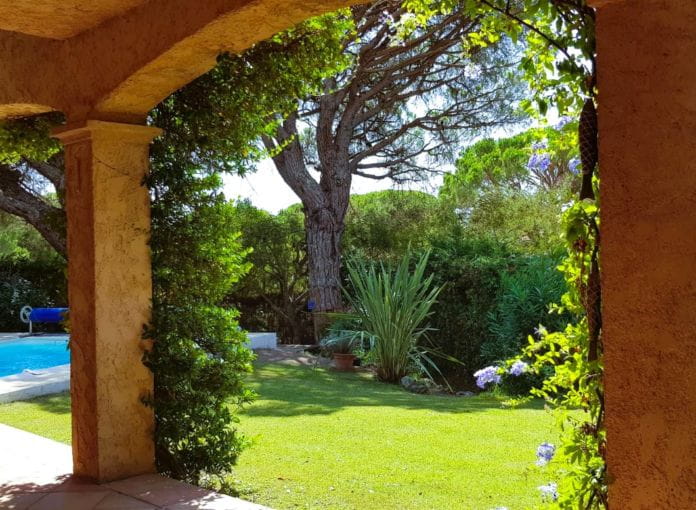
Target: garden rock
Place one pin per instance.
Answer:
(421, 386)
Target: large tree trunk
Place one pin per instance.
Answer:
(325, 205)
(324, 234)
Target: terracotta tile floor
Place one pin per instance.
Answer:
(35, 475)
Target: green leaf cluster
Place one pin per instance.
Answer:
(28, 138)
(559, 43)
(392, 308)
(198, 355)
(31, 273)
(575, 384)
(502, 163)
(272, 296)
(221, 116)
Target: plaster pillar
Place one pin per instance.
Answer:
(110, 291)
(647, 125)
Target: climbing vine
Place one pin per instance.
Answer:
(559, 64)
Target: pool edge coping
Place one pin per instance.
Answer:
(35, 383)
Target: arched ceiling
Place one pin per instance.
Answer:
(59, 19)
(116, 59)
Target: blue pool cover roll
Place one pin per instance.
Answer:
(54, 315)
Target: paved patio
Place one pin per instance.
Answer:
(35, 475)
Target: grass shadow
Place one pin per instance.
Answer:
(295, 390)
(58, 403)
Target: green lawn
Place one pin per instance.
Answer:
(46, 416)
(328, 440)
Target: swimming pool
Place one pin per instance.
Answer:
(33, 353)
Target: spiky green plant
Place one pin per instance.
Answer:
(393, 307)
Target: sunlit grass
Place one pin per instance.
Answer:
(330, 440)
(47, 416)
(325, 440)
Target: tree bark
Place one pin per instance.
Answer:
(324, 235)
(17, 199)
(325, 205)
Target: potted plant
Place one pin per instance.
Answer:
(342, 346)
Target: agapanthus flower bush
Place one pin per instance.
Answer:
(545, 453)
(549, 492)
(494, 374)
(574, 387)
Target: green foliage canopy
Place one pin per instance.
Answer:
(559, 50)
(197, 356)
(384, 225)
(273, 295)
(221, 116)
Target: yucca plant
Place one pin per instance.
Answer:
(393, 307)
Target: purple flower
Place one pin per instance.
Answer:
(549, 492)
(487, 375)
(537, 146)
(519, 367)
(539, 161)
(563, 122)
(574, 165)
(545, 453)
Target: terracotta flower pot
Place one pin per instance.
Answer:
(344, 362)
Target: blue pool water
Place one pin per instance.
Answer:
(33, 353)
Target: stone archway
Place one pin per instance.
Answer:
(105, 66)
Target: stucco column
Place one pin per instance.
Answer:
(110, 292)
(647, 124)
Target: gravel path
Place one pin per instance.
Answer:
(291, 355)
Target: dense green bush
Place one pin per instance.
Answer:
(273, 295)
(198, 357)
(526, 292)
(523, 309)
(471, 271)
(37, 283)
(385, 225)
(493, 298)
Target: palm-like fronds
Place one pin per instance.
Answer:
(392, 307)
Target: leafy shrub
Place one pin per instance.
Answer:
(273, 295)
(470, 270)
(341, 342)
(31, 273)
(37, 283)
(526, 292)
(198, 357)
(385, 225)
(392, 307)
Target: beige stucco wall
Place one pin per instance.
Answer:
(647, 122)
(110, 287)
(123, 67)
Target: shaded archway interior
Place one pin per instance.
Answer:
(115, 60)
